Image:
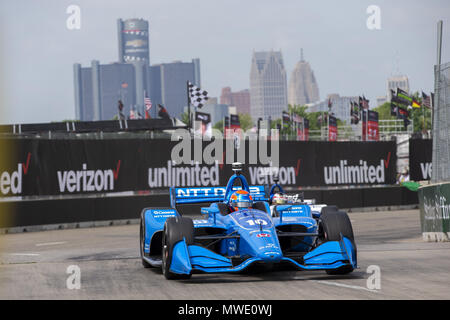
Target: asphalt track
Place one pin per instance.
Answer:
(34, 265)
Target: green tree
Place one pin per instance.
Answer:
(421, 116)
(246, 121)
(185, 118)
(219, 126)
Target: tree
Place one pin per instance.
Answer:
(219, 126)
(185, 118)
(421, 116)
(246, 121)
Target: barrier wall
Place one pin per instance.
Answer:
(58, 167)
(87, 175)
(434, 204)
(63, 211)
(420, 158)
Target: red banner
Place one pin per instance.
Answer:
(332, 129)
(370, 131)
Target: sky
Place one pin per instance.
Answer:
(37, 50)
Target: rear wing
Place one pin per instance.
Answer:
(212, 194)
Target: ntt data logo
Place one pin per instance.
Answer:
(86, 180)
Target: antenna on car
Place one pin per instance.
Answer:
(236, 167)
(276, 178)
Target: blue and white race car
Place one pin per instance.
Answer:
(238, 231)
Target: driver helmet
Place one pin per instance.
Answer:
(241, 199)
(278, 198)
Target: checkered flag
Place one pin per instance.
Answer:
(197, 96)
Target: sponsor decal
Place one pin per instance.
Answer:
(425, 169)
(11, 182)
(263, 235)
(264, 175)
(200, 221)
(437, 208)
(87, 180)
(180, 176)
(356, 174)
(255, 191)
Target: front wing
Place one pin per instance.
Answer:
(327, 256)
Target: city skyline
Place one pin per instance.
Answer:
(37, 60)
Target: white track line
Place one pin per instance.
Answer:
(49, 243)
(342, 285)
(25, 254)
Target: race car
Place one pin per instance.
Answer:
(238, 231)
(277, 196)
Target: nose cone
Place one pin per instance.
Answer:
(270, 256)
(268, 247)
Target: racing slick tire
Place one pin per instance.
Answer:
(175, 229)
(142, 240)
(334, 223)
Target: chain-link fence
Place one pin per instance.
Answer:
(441, 124)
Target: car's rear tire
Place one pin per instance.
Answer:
(333, 223)
(175, 229)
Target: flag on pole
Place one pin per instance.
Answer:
(365, 103)
(197, 96)
(426, 100)
(403, 95)
(148, 106)
(132, 114)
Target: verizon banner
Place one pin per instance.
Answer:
(420, 159)
(53, 167)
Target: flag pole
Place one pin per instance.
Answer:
(189, 105)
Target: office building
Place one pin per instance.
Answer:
(340, 106)
(169, 84)
(239, 99)
(99, 87)
(133, 40)
(268, 85)
(303, 86)
(395, 82)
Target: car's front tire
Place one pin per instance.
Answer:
(142, 243)
(175, 229)
(333, 223)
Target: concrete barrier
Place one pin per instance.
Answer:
(434, 204)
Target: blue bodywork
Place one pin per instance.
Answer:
(243, 237)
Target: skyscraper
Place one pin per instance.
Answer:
(395, 82)
(133, 40)
(268, 85)
(98, 89)
(303, 86)
(168, 84)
